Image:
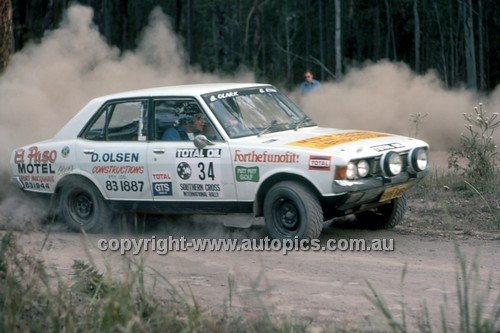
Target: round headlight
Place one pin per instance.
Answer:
(363, 168)
(352, 171)
(418, 159)
(391, 163)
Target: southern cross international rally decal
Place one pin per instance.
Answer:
(326, 141)
(199, 172)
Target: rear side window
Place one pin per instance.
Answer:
(120, 121)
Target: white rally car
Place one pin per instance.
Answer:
(219, 148)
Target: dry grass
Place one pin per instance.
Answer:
(449, 202)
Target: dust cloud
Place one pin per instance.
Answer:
(48, 82)
(382, 97)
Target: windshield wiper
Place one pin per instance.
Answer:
(301, 122)
(265, 130)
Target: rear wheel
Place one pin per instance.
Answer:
(292, 210)
(384, 217)
(82, 206)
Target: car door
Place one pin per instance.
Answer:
(181, 175)
(112, 150)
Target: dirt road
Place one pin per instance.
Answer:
(323, 287)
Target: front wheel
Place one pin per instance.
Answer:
(82, 206)
(384, 217)
(292, 210)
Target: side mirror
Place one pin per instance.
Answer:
(201, 141)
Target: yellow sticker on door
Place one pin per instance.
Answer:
(325, 141)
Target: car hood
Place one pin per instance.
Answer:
(339, 142)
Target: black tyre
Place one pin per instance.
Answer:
(82, 206)
(384, 217)
(290, 210)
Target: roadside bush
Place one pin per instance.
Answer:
(476, 157)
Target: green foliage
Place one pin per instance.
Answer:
(477, 148)
(88, 280)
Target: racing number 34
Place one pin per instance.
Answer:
(124, 185)
(210, 171)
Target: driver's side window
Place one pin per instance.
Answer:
(181, 120)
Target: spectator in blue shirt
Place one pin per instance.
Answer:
(309, 83)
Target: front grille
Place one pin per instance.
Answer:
(374, 162)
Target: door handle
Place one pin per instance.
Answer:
(158, 150)
(88, 151)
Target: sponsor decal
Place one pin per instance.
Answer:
(198, 153)
(161, 176)
(387, 146)
(321, 163)
(118, 170)
(124, 186)
(36, 182)
(325, 141)
(264, 90)
(43, 179)
(265, 157)
(184, 170)
(36, 186)
(115, 157)
(162, 189)
(200, 190)
(65, 151)
(30, 168)
(244, 174)
(223, 95)
(35, 156)
(64, 169)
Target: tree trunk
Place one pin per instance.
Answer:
(124, 14)
(482, 71)
(6, 33)
(189, 22)
(453, 67)
(390, 38)
(417, 35)
(377, 34)
(442, 44)
(338, 42)
(321, 37)
(307, 28)
(470, 56)
(178, 16)
(107, 20)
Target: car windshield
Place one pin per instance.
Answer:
(255, 111)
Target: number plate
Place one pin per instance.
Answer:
(393, 192)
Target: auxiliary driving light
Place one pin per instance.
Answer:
(363, 168)
(391, 163)
(352, 170)
(418, 159)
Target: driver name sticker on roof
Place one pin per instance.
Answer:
(329, 140)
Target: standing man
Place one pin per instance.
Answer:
(309, 83)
